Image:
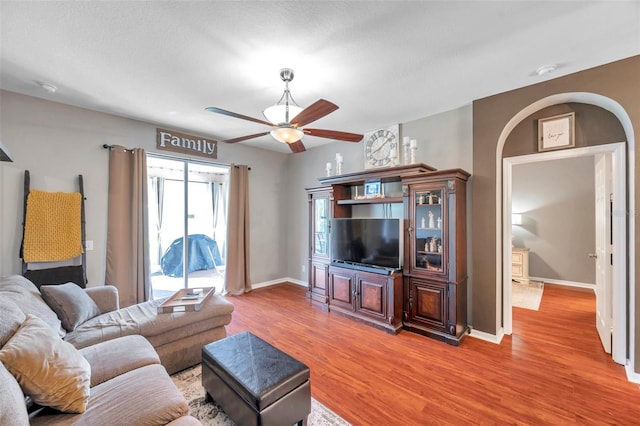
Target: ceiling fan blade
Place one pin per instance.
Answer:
(334, 134)
(236, 115)
(244, 138)
(313, 112)
(297, 147)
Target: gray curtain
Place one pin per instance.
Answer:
(128, 225)
(237, 276)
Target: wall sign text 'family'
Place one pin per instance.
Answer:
(170, 140)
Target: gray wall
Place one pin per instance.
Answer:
(618, 83)
(57, 142)
(557, 203)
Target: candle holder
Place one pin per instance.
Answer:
(339, 161)
(405, 150)
(329, 167)
(414, 150)
(393, 156)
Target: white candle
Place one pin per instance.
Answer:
(329, 166)
(339, 157)
(405, 140)
(414, 143)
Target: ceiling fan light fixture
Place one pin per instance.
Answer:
(277, 114)
(287, 134)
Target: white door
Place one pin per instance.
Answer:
(603, 249)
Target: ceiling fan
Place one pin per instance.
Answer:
(287, 119)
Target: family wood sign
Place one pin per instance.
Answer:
(169, 140)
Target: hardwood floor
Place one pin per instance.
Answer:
(551, 371)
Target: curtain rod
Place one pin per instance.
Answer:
(110, 147)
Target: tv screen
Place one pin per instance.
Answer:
(367, 241)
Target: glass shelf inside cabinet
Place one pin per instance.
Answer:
(321, 226)
(429, 225)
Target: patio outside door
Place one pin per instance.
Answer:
(187, 220)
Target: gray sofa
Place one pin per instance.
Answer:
(127, 386)
(130, 351)
(177, 337)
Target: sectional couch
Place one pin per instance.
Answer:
(120, 359)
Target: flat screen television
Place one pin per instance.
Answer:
(367, 241)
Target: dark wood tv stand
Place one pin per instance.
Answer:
(374, 298)
(429, 295)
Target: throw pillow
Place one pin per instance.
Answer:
(71, 303)
(26, 295)
(10, 320)
(51, 371)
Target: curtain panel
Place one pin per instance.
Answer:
(237, 274)
(127, 265)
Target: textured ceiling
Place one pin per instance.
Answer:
(382, 62)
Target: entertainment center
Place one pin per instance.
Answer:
(388, 247)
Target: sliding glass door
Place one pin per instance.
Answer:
(187, 220)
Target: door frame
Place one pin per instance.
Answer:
(619, 232)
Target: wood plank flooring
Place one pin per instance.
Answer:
(551, 371)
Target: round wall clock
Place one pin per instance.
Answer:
(381, 148)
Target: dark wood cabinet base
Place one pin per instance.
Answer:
(374, 299)
(441, 336)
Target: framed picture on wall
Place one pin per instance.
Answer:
(557, 132)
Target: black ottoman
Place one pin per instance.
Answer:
(256, 383)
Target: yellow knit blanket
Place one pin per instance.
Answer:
(52, 226)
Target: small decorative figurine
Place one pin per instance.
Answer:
(423, 223)
(432, 245)
(431, 223)
(439, 221)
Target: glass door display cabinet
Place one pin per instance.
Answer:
(428, 240)
(320, 213)
(435, 267)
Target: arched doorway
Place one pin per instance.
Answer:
(624, 234)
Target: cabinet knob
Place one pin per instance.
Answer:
(593, 256)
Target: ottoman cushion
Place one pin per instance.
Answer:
(258, 372)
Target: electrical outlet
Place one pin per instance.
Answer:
(88, 245)
(304, 269)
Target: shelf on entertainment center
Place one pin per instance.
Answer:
(389, 174)
(382, 200)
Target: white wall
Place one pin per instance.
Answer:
(56, 142)
(557, 202)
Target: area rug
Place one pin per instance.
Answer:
(210, 414)
(527, 296)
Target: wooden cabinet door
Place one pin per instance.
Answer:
(319, 283)
(428, 304)
(371, 295)
(341, 288)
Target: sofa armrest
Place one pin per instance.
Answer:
(106, 297)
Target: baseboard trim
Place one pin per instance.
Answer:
(632, 376)
(278, 281)
(492, 338)
(563, 282)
